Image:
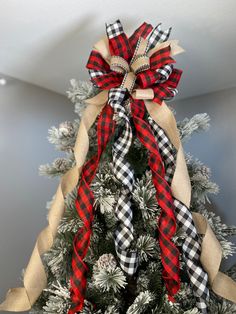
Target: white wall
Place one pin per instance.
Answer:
(27, 112)
(217, 147)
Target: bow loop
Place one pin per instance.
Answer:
(129, 81)
(118, 41)
(116, 97)
(157, 36)
(140, 63)
(142, 31)
(119, 65)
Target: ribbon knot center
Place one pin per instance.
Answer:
(140, 62)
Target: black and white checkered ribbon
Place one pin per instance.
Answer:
(191, 246)
(157, 36)
(122, 169)
(165, 72)
(114, 29)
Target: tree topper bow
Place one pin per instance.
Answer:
(142, 65)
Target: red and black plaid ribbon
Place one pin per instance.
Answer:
(84, 205)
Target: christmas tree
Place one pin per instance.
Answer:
(108, 287)
(125, 268)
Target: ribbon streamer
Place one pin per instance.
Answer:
(84, 206)
(166, 222)
(191, 246)
(125, 174)
(220, 283)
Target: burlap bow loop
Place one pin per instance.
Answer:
(119, 65)
(139, 64)
(140, 61)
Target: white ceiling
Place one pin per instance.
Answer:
(48, 42)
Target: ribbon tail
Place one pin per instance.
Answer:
(211, 257)
(191, 247)
(169, 252)
(98, 100)
(124, 173)
(84, 205)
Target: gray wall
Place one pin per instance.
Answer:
(27, 112)
(216, 148)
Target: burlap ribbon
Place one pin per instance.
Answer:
(35, 279)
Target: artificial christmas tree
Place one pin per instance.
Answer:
(122, 235)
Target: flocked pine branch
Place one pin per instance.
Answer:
(144, 195)
(57, 168)
(150, 279)
(199, 122)
(141, 303)
(89, 309)
(58, 258)
(111, 310)
(59, 299)
(106, 190)
(107, 275)
(63, 137)
(70, 222)
(142, 282)
(222, 307)
(78, 92)
(147, 247)
(199, 175)
(192, 311)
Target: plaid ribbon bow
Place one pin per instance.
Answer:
(136, 64)
(133, 62)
